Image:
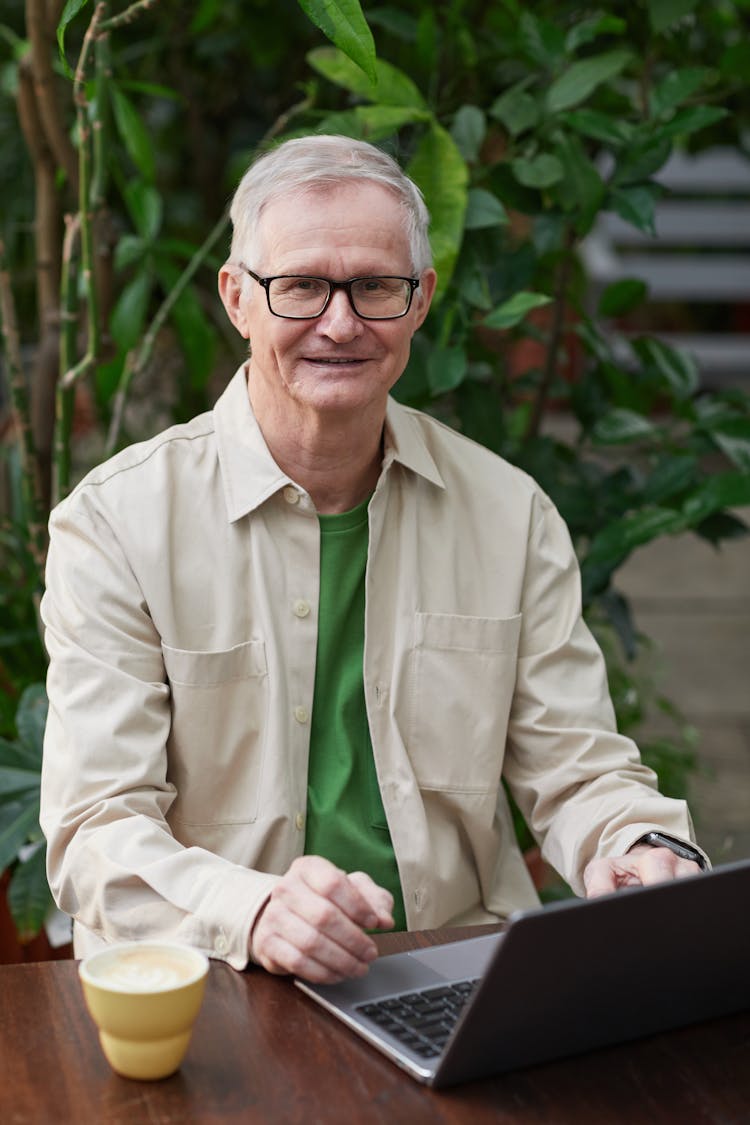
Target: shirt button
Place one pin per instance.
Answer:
(301, 607)
(291, 495)
(221, 945)
(299, 822)
(301, 714)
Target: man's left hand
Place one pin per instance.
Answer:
(642, 865)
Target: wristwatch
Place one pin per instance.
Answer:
(684, 851)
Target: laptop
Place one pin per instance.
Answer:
(561, 979)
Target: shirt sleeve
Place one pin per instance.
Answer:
(113, 862)
(580, 785)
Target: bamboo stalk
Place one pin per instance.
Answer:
(65, 398)
(72, 374)
(45, 86)
(34, 521)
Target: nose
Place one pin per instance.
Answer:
(340, 322)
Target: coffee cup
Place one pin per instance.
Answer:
(144, 997)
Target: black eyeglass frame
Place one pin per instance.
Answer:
(265, 282)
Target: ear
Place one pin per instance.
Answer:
(427, 283)
(230, 291)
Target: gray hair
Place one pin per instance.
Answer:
(309, 163)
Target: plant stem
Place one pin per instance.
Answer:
(137, 360)
(84, 197)
(66, 394)
(128, 15)
(555, 337)
(31, 485)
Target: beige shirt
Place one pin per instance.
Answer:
(181, 616)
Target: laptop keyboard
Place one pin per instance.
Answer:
(423, 1020)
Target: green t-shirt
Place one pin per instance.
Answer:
(345, 818)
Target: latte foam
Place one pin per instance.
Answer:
(146, 970)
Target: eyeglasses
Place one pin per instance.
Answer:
(305, 298)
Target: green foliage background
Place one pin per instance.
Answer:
(520, 122)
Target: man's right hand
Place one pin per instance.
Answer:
(314, 922)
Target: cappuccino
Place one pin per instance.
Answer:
(146, 968)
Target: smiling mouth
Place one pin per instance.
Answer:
(331, 361)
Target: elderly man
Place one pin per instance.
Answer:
(296, 644)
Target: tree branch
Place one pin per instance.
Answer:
(47, 91)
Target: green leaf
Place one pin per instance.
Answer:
(589, 29)
(692, 120)
(636, 205)
(31, 719)
(133, 133)
(723, 490)
(664, 13)
(641, 159)
(621, 426)
(583, 77)
(129, 250)
(616, 541)
(372, 122)
(391, 86)
(582, 190)
(439, 170)
(14, 782)
(29, 897)
(670, 476)
(677, 368)
(19, 820)
(197, 338)
(468, 131)
(517, 109)
(484, 210)
(678, 85)
(540, 171)
(541, 40)
(70, 11)
(446, 370)
(343, 23)
(599, 126)
(735, 61)
(129, 314)
(513, 311)
(146, 208)
(622, 296)
(733, 438)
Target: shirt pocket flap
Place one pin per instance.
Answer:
(206, 669)
(469, 634)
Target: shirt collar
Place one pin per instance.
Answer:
(249, 473)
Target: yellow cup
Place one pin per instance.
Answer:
(144, 997)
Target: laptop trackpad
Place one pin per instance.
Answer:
(460, 960)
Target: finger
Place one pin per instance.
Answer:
(658, 865)
(380, 899)
(333, 885)
(603, 876)
(285, 942)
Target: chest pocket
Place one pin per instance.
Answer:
(462, 673)
(216, 743)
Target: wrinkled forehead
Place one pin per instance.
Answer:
(315, 214)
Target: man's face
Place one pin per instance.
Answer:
(337, 361)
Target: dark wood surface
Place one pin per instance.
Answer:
(262, 1052)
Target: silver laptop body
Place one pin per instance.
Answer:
(568, 977)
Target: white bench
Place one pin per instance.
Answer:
(700, 255)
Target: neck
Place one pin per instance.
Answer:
(336, 457)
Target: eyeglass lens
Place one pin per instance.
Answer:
(373, 297)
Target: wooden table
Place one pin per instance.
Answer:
(262, 1052)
